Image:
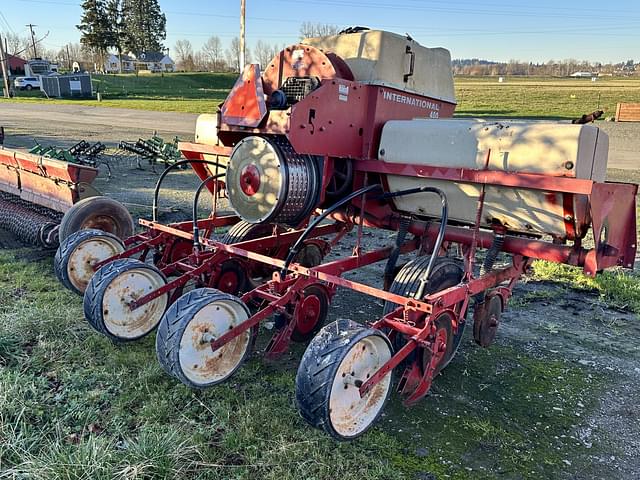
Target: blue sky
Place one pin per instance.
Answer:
(494, 29)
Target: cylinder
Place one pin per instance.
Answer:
(268, 181)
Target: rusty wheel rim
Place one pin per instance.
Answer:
(199, 363)
(119, 319)
(351, 414)
(83, 259)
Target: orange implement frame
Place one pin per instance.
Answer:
(45, 181)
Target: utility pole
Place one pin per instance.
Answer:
(68, 58)
(33, 39)
(5, 73)
(242, 12)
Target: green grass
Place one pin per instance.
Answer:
(542, 97)
(617, 288)
(75, 406)
(534, 97)
(175, 92)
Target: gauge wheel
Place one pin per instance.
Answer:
(113, 288)
(446, 273)
(337, 361)
(100, 213)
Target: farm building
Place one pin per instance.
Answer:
(16, 65)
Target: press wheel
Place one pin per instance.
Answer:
(337, 361)
(110, 292)
(183, 344)
(78, 254)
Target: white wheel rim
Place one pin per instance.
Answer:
(88, 254)
(350, 414)
(199, 363)
(119, 319)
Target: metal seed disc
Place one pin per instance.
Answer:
(254, 200)
(199, 363)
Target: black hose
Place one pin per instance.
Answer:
(196, 232)
(296, 246)
(424, 279)
(156, 191)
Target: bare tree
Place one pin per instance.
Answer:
(17, 45)
(233, 55)
(184, 55)
(311, 29)
(264, 53)
(212, 50)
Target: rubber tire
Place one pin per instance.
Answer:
(66, 248)
(244, 231)
(74, 219)
(446, 273)
(318, 368)
(29, 88)
(93, 296)
(172, 327)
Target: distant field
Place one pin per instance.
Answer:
(542, 97)
(533, 97)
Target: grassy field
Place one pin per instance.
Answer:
(534, 97)
(76, 406)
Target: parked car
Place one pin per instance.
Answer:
(27, 83)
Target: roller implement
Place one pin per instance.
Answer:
(43, 200)
(335, 135)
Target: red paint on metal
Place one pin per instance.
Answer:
(245, 105)
(344, 119)
(250, 180)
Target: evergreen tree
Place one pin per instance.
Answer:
(116, 27)
(144, 26)
(95, 27)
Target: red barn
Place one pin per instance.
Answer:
(16, 65)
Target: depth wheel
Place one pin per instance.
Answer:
(341, 356)
(100, 213)
(446, 273)
(183, 343)
(113, 288)
(245, 231)
(233, 278)
(78, 254)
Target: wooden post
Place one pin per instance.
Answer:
(242, 47)
(4, 60)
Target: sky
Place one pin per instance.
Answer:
(540, 30)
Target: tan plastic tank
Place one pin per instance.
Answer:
(384, 58)
(551, 149)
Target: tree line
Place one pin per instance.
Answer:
(557, 68)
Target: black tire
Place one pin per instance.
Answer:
(319, 367)
(28, 88)
(101, 213)
(446, 273)
(244, 231)
(174, 323)
(66, 249)
(94, 296)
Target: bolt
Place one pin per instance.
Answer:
(207, 337)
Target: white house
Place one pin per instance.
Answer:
(112, 63)
(153, 61)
